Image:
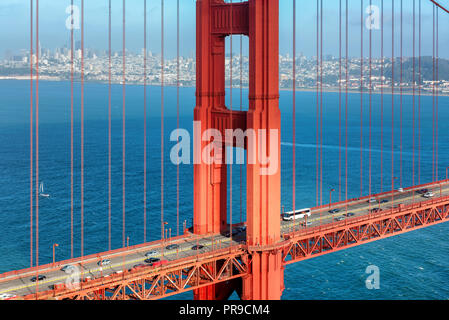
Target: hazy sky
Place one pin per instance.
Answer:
(15, 26)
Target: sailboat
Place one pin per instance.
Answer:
(41, 191)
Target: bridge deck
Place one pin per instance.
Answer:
(18, 283)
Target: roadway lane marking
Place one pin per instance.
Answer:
(92, 271)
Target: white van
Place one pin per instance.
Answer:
(297, 214)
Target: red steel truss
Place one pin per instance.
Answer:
(236, 263)
(178, 277)
(356, 231)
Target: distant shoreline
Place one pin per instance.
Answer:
(387, 91)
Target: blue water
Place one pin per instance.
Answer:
(412, 266)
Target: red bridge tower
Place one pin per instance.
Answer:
(259, 20)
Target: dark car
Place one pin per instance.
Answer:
(375, 210)
(197, 247)
(38, 278)
(384, 201)
(152, 260)
(172, 247)
(334, 210)
(350, 214)
(422, 191)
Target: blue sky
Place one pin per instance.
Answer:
(14, 26)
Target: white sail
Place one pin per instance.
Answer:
(41, 191)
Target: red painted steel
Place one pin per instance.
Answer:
(216, 20)
(254, 268)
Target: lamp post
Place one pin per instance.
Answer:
(54, 246)
(163, 239)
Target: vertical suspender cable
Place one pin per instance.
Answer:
(109, 132)
(177, 113)
(392, 96)
(419, 92)
(37, 141)
(145, 121)
(317, 101)
(414, 89)
(437, 94)
(162, 119)
(433, 93)
(346, 101)
(321, 106)
(31, 134)
(82, 128)
(339, 103)
(230, 114)
(71, 129)
(361, 98)
(382, 82)
(241, 108)
(294, 108)
(124, 128)
(370, 98)
(401, 100)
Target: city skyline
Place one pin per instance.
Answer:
(53, 31)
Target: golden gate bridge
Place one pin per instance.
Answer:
(214, 258)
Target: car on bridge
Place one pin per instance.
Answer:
(422, 191)
(151, 260)
(339, 218)
(172, 246)
(384, 201)
(197, 247)
(104, 262)
(159, 263)
(7, 296)
(68, 268)
(375, 210)
(151, 253)
(138, 266)
(334, 210)
(429, 194)
(306, 224)
(349, 214)
(38, 278)
(372, 200)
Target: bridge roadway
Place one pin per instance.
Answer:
(18, 283)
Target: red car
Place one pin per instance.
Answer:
(159, 263)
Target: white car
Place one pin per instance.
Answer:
(104, 262)
(68, 268)
(372, 200)
(151, 253)
(6, 296)
(428, 195)
(400, 190)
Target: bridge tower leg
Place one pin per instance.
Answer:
(259, 20)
